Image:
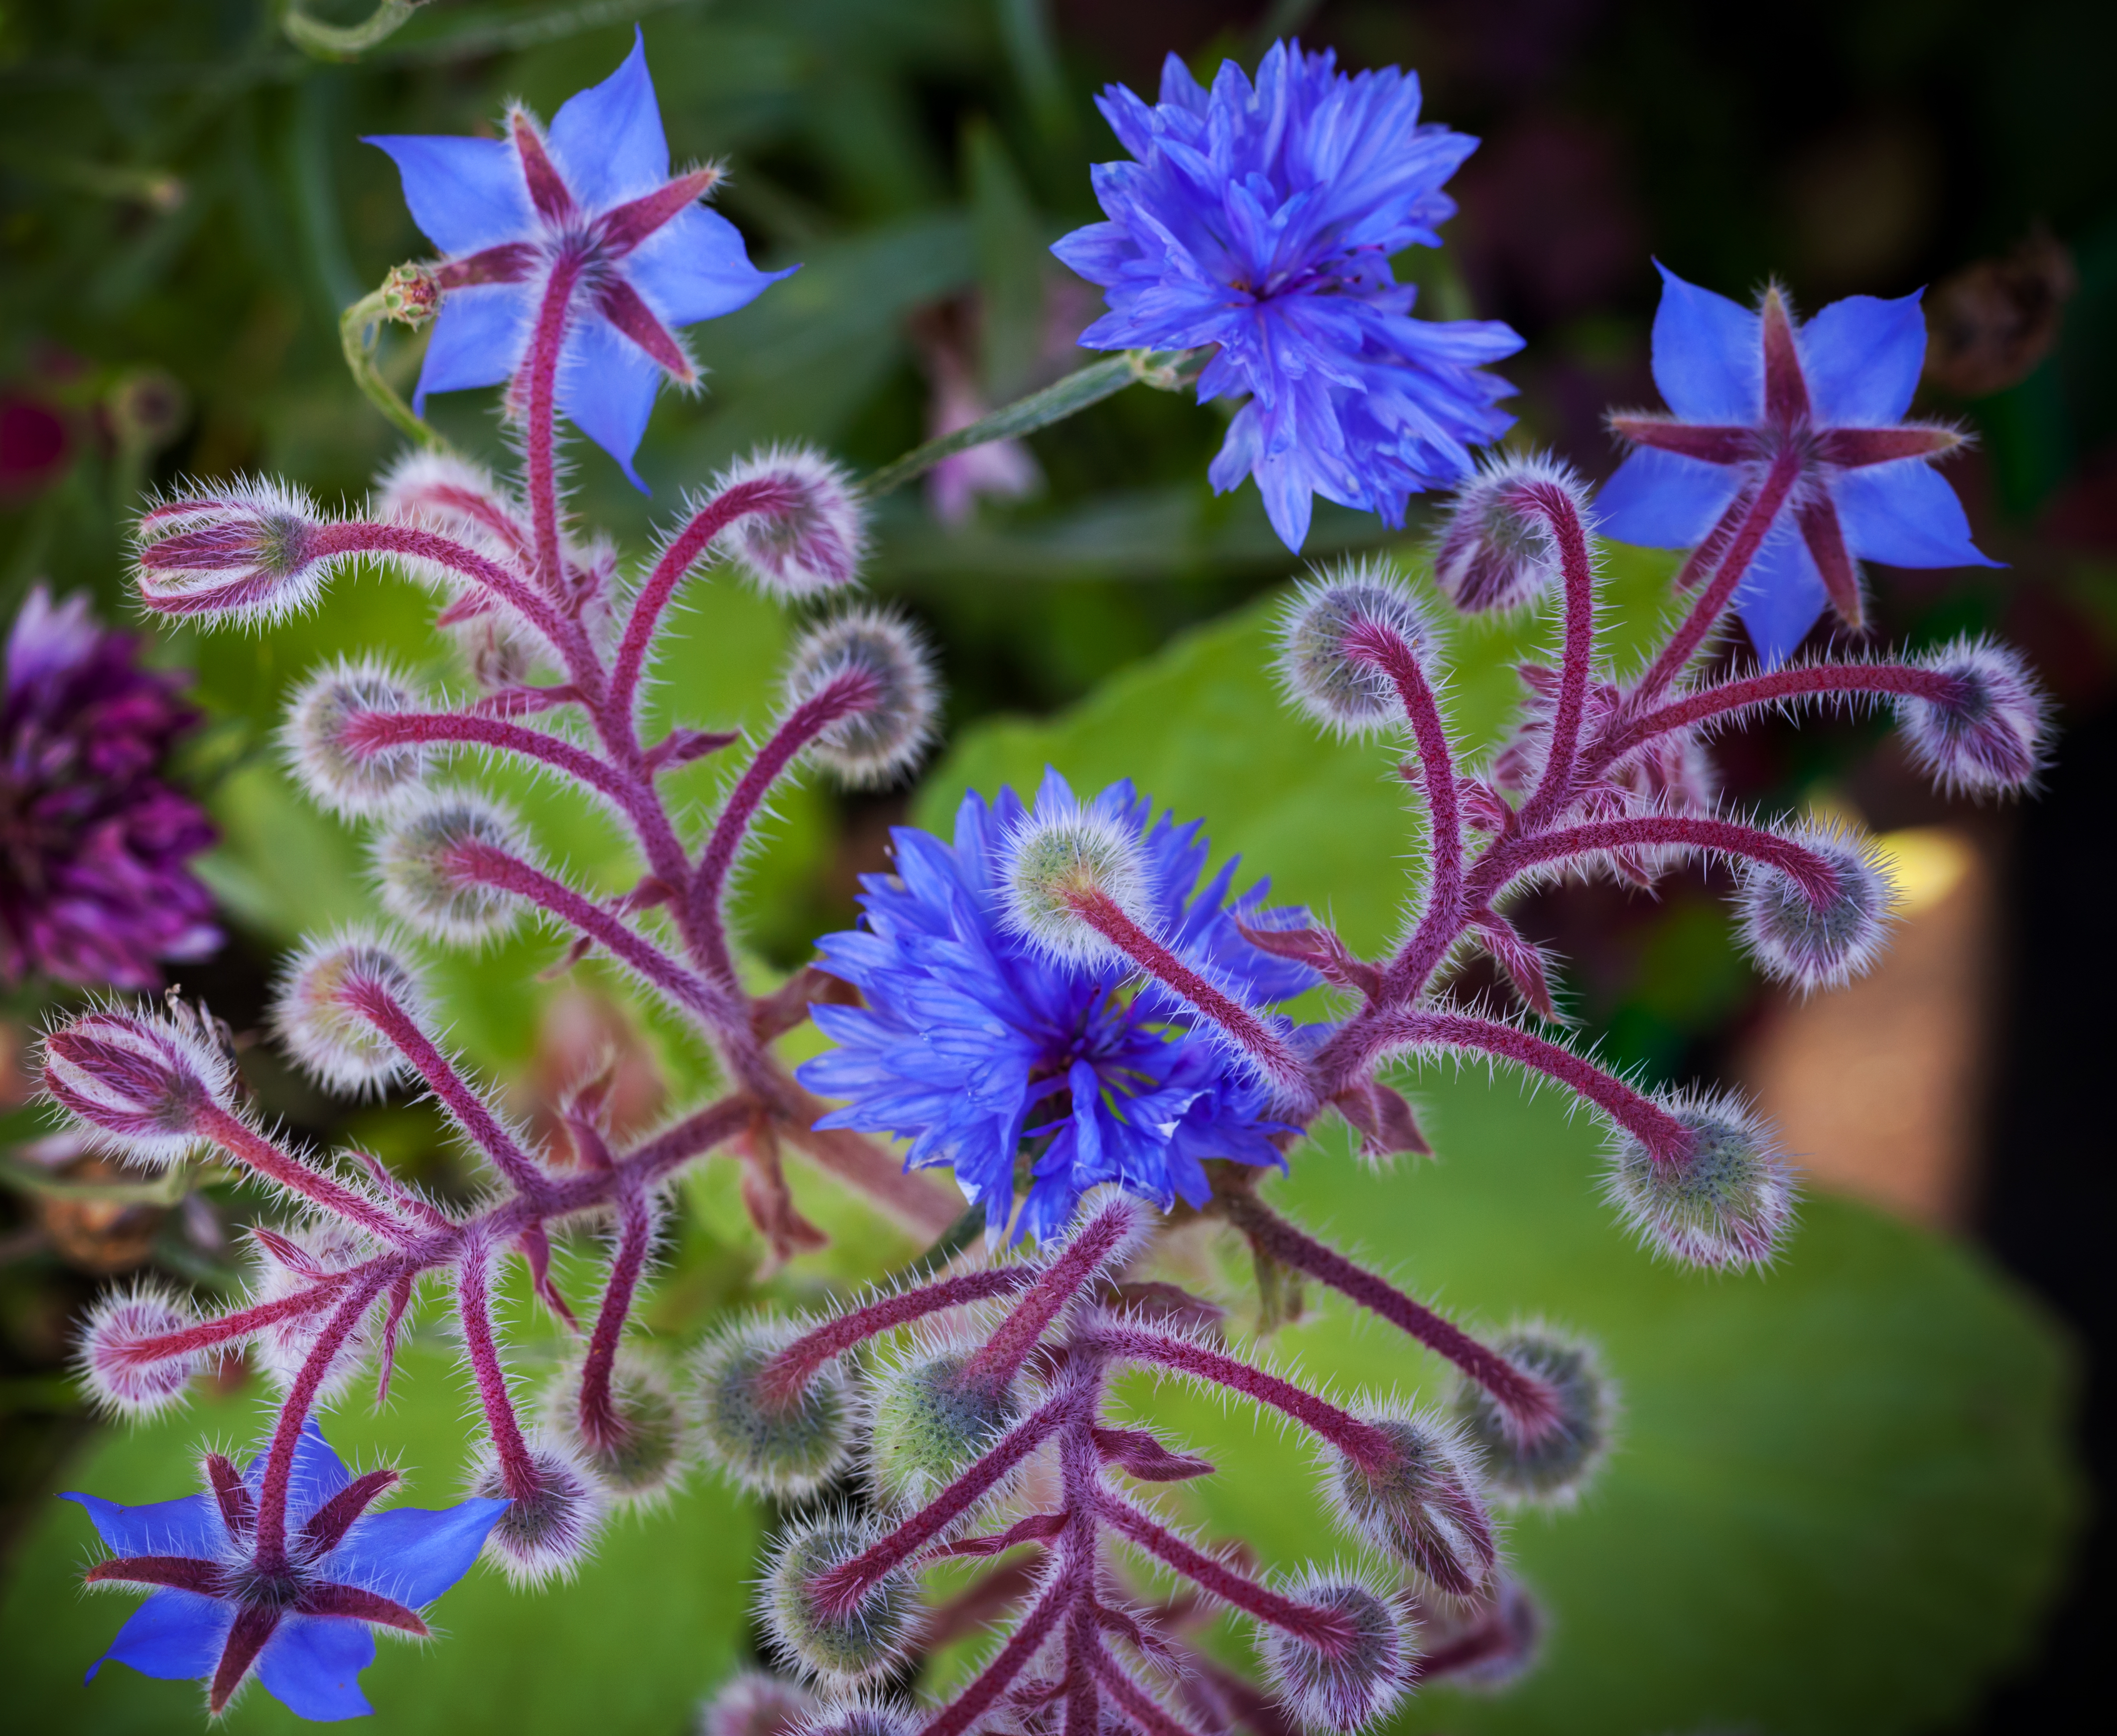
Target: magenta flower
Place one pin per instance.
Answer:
(94, 884)
(581, 229)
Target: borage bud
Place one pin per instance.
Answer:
(338, 774)
(1498, 550)
(883, 739)
(774, 1442)
(549, 1532)
(640, 1451)
(929, 1424)
(1421, 1508)
(1818, 946)
(869, 1638)
(318, 1009)
(119, 1379)
(1989, 737)
(1726, 1204)
(1346, 694)
(290, 1261)
(421, 884)
(859, 1714)
(138, 1082)
(1557, 1465)
(1054, 862)
(812, 544)
(755, 1703)
(1343, 1689)
(250, 550)
(410, 295)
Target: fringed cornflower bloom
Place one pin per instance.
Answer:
(95, 885)
(297, 1606)
(1803, 422)
(1261, 219)
(582, 227)
(979, 1045)
(1061, 998)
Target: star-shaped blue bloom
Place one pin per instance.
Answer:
(979, 1049)
(1262, 221)
(306, 1628)
(594, 196)
(1745, 387)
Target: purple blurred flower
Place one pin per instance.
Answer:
(1744, 386)
(94, 845)
(594, 194)
(216, 1612)
(1262, 221)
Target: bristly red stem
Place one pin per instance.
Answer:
(1511, 857)
(377, 731)
(238, 1137)
(1144, 1709)
(1529, 1404)
(601, 1427)
(1774, 687)
(1014, 1657)
(1324, 1628)
(1554, 789)
(1092, 1247)
(785, 1376)
(540, 433)
(474, 1310)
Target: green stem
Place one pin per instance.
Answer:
(167, 1190)
(346, 41)
(358, 329)
(1165, 370)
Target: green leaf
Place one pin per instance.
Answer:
(1842, 1494)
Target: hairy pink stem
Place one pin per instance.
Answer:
(271, 1545)
(790, 1371)
(377, 731)
(1529, 1404)
(1815, 876)
(1358, 1441)
(540, 433)
(1713, 602)
(842, 697)
(233, 1135)
(463, 1106)
(1085, 1255)
(761, 495)
(1554, 789)
(1146, 1712)
(600, 1426)
(363, 538)
(1776, 686)
(1273, 1056)
(1661, 1133)
(1323, 1628)
(995, 1679)
(243, 1323)
(1080, 1483)
(474, 1308)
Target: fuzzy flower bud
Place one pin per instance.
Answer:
(1727, 1203)
(290, 1261)
(880, 740)
(1054, 862)
(548, 1534)
(337, 774)
(815, 543)
(1556, 1467)
(756, 1703)
(1421, 1508)
(1348, 695)
(788, 1444)
(1990, 737)
(123, 1382)
(928, 1424)
(1341, 1689)
(410, 295)
(139, 1082)
(251, 550)
(1795, 940)
(858, 1645)
(422, 886)
(318, 1015)
(1498, 550)
(862, 1714)
(643, 1449)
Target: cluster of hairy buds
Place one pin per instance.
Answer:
(149, 1086)
(872, 663)
(1500, 547)
(812, 538)
(1717, 1192)
(352, 774)
(1810, 935)
(1982, 729)
(1332, 641)
(250, 550)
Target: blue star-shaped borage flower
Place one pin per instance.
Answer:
(981, 1050)
(1745, 386)
(307, 1629)
(1262, 221)
(595, 194)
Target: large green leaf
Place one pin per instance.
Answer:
(1841, 1496)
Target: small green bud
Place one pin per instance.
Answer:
(929, 1425)
(1727, 1203)
(865, 1641)
(647, 1452)
(1422, 1508)
(1347, 1689)
(788, 1446)
(1556, 1467)
(411, 296)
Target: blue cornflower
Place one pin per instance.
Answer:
(305, 1629)
(1746, 387)
(592, 197)
(977, 1048)
(1262, 221)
